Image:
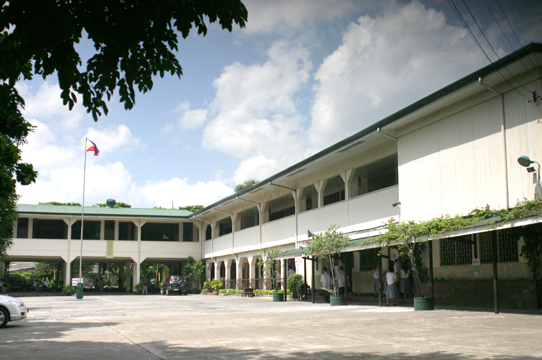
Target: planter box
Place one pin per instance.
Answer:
(422, 304)
(336, 300)
(278, 297)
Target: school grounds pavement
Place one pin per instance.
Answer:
(231, 327)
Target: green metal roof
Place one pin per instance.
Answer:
(101, 211)
(445, 91)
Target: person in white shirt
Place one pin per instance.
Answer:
(279, 280)
(342, 280)
(290, 271)
(325, 279)
(397, 267)
(391, 292)
(376, 281)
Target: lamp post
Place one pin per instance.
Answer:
(526, 162)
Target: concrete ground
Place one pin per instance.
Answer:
(231, 327)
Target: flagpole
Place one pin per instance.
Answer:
(83, 216)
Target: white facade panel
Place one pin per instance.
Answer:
(208, 249)
(308, 220)
(333, 214)
(247, 239)
(454, 165)
(223, 245)
(373, 209)
(279, 232)
(170, 249)
(38, 248)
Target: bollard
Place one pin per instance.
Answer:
(79, 291)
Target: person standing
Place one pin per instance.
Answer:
(279, 280)
(325, 279)
(405, 281)
(391, 292)
(342, 280)
(376, 280)
(145, 286)
(290, 271)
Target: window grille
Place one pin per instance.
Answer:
(507, 247)
(368, 259)
(454, 252)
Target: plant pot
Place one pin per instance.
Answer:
(212, 293)
(422, 304)
(278, 297)
(336, 300)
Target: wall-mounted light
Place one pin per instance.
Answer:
(395, 204)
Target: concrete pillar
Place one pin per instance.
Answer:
(252, 262)
(227, 276)
(240, 278)
(67, 271)
(128, 275)
(217, 271)
(321, 185)
(283, 274)
(121, 275)
(2, 270)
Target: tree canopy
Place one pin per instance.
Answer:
(134, 41)
(246, 185)
(192, 208)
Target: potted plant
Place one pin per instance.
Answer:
(139, 288)
(293, 283)
(68, 290)
(195, 272)
(269, 269)
(211, 287)
(328, 245)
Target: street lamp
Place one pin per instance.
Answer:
(526, 162)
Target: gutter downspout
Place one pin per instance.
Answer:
(503, 131)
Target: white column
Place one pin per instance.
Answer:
(67, 271)
(252, 262)
(239, 275)
(227, 264)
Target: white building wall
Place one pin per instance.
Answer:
(279, 232)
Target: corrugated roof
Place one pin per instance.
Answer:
(101, 211)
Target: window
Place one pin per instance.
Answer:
(22, 228)
(188, 232)
(375, 176)
(160, 232)
(368, 259)
(281, 207)
(456, 251)
(109, 230)
(49, 229)
(208, 233)
(507, 247)
(334, 191)
(224, 226)
(309, 198)
(127, 231)
(91, 230)
(249, 218)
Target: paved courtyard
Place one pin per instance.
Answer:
(231, 327)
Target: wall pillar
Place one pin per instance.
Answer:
(67, 272)
(240, 278)
(252, 262)
(227, 265)
(128, 275)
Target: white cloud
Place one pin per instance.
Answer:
(46, 104)
(115, 139)
(254, 110)
(162, 193)
(190, 119)
(258, 167)
(383, 64)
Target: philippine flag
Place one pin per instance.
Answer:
(92, 147)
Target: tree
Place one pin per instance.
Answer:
(192, 208)
(246, 185)
(194, 271)
(59, 203)
(133, 42)
(328, 245)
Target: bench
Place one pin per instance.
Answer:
(248, 292)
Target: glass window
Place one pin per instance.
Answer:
(309, 198)
(188, 232)
(208, 233)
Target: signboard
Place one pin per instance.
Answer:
(298, 260)
(76, 281)
(475, 262)
(109, 249)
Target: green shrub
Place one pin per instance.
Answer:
(68, 290)
(293, 282)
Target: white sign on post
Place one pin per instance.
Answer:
(76, 281)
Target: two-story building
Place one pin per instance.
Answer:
(448, 153)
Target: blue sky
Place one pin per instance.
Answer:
(301, 76)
